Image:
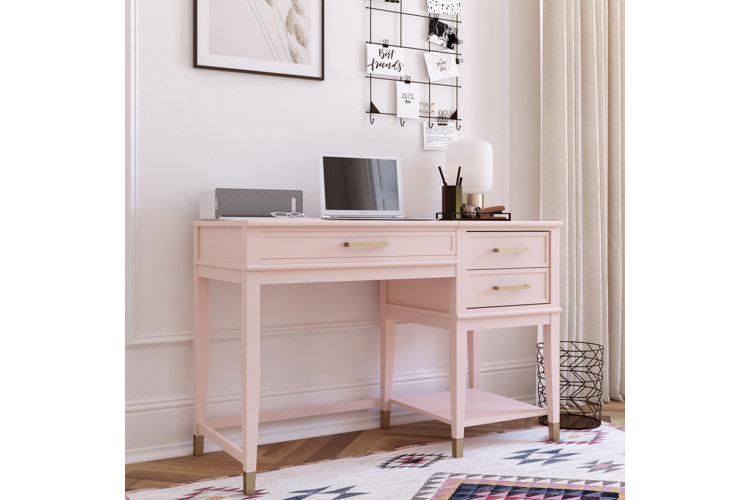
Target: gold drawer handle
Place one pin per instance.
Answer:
(516, 287)
(511, 250)
(350, 244)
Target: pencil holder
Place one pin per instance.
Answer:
(451, 202)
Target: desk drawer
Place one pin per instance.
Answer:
(356, 244)
(507, 250)
(507, 288)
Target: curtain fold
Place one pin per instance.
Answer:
(582, 170)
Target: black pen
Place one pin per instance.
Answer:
(442, 176)
(458, 175)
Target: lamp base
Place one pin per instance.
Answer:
(476, 199)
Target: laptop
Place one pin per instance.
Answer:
(361, 188)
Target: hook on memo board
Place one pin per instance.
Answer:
(402, 122)
(385, 42)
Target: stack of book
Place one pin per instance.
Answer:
(495, 213)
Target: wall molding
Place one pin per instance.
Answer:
(131, 167)
(266, 332)
(186, 400)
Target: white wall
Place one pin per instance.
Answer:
(198, 129)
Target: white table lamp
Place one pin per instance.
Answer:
(477, 168)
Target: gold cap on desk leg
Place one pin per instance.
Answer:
(385, 419)
(554, 432)
(458, 447)
(248, 482)
(197, 445)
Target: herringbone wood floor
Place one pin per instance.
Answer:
(270, 456)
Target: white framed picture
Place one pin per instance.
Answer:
(269, 37)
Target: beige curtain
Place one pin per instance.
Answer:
(582, 170)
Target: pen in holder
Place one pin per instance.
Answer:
(451, 202)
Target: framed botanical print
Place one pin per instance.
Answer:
(269, 37)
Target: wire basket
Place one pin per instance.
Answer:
(581, 376)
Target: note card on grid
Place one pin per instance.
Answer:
(385, 60)
(407, 100)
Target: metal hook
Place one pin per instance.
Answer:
(458, 126)
(430, 125)
(372, 120)
(402, 122)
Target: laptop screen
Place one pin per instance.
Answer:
(361, 187)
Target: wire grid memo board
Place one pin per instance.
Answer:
(407, 31)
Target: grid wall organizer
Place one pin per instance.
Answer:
(442, 117)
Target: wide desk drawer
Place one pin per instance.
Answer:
(506, 250)
(355, 244)
(506, 288)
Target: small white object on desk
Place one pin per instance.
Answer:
(477, 167)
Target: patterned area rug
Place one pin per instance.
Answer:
(514, 465)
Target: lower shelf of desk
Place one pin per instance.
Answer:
(481, 407)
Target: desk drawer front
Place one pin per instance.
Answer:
(506, 250)
(356, 244)
(507, 288)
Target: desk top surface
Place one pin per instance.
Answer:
(305, 222)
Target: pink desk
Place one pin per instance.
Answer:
(464, 276)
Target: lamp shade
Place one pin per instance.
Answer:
(475, 159)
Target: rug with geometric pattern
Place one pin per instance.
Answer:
(512, 465)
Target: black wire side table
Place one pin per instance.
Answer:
(581, 377)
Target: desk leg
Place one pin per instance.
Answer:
(250, 379)
(387, 349)
(552, 375)
(475, 357)
(458, 346)
(200, 357)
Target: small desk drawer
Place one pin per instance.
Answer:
(507, 250)
(356, 244)
(507, 288)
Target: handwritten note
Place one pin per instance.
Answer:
(390, 61)
(407, 100)
(438, 137)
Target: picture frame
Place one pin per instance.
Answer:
(266, 37)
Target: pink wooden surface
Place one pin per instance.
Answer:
(492, 250)
(278, 245)
(263, 251)
(475, 357)
(480, 285)
(481, 407)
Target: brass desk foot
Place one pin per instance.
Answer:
(554, 432)
(197, 445)
(248, 482)
(385, 419)
(458, 447)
